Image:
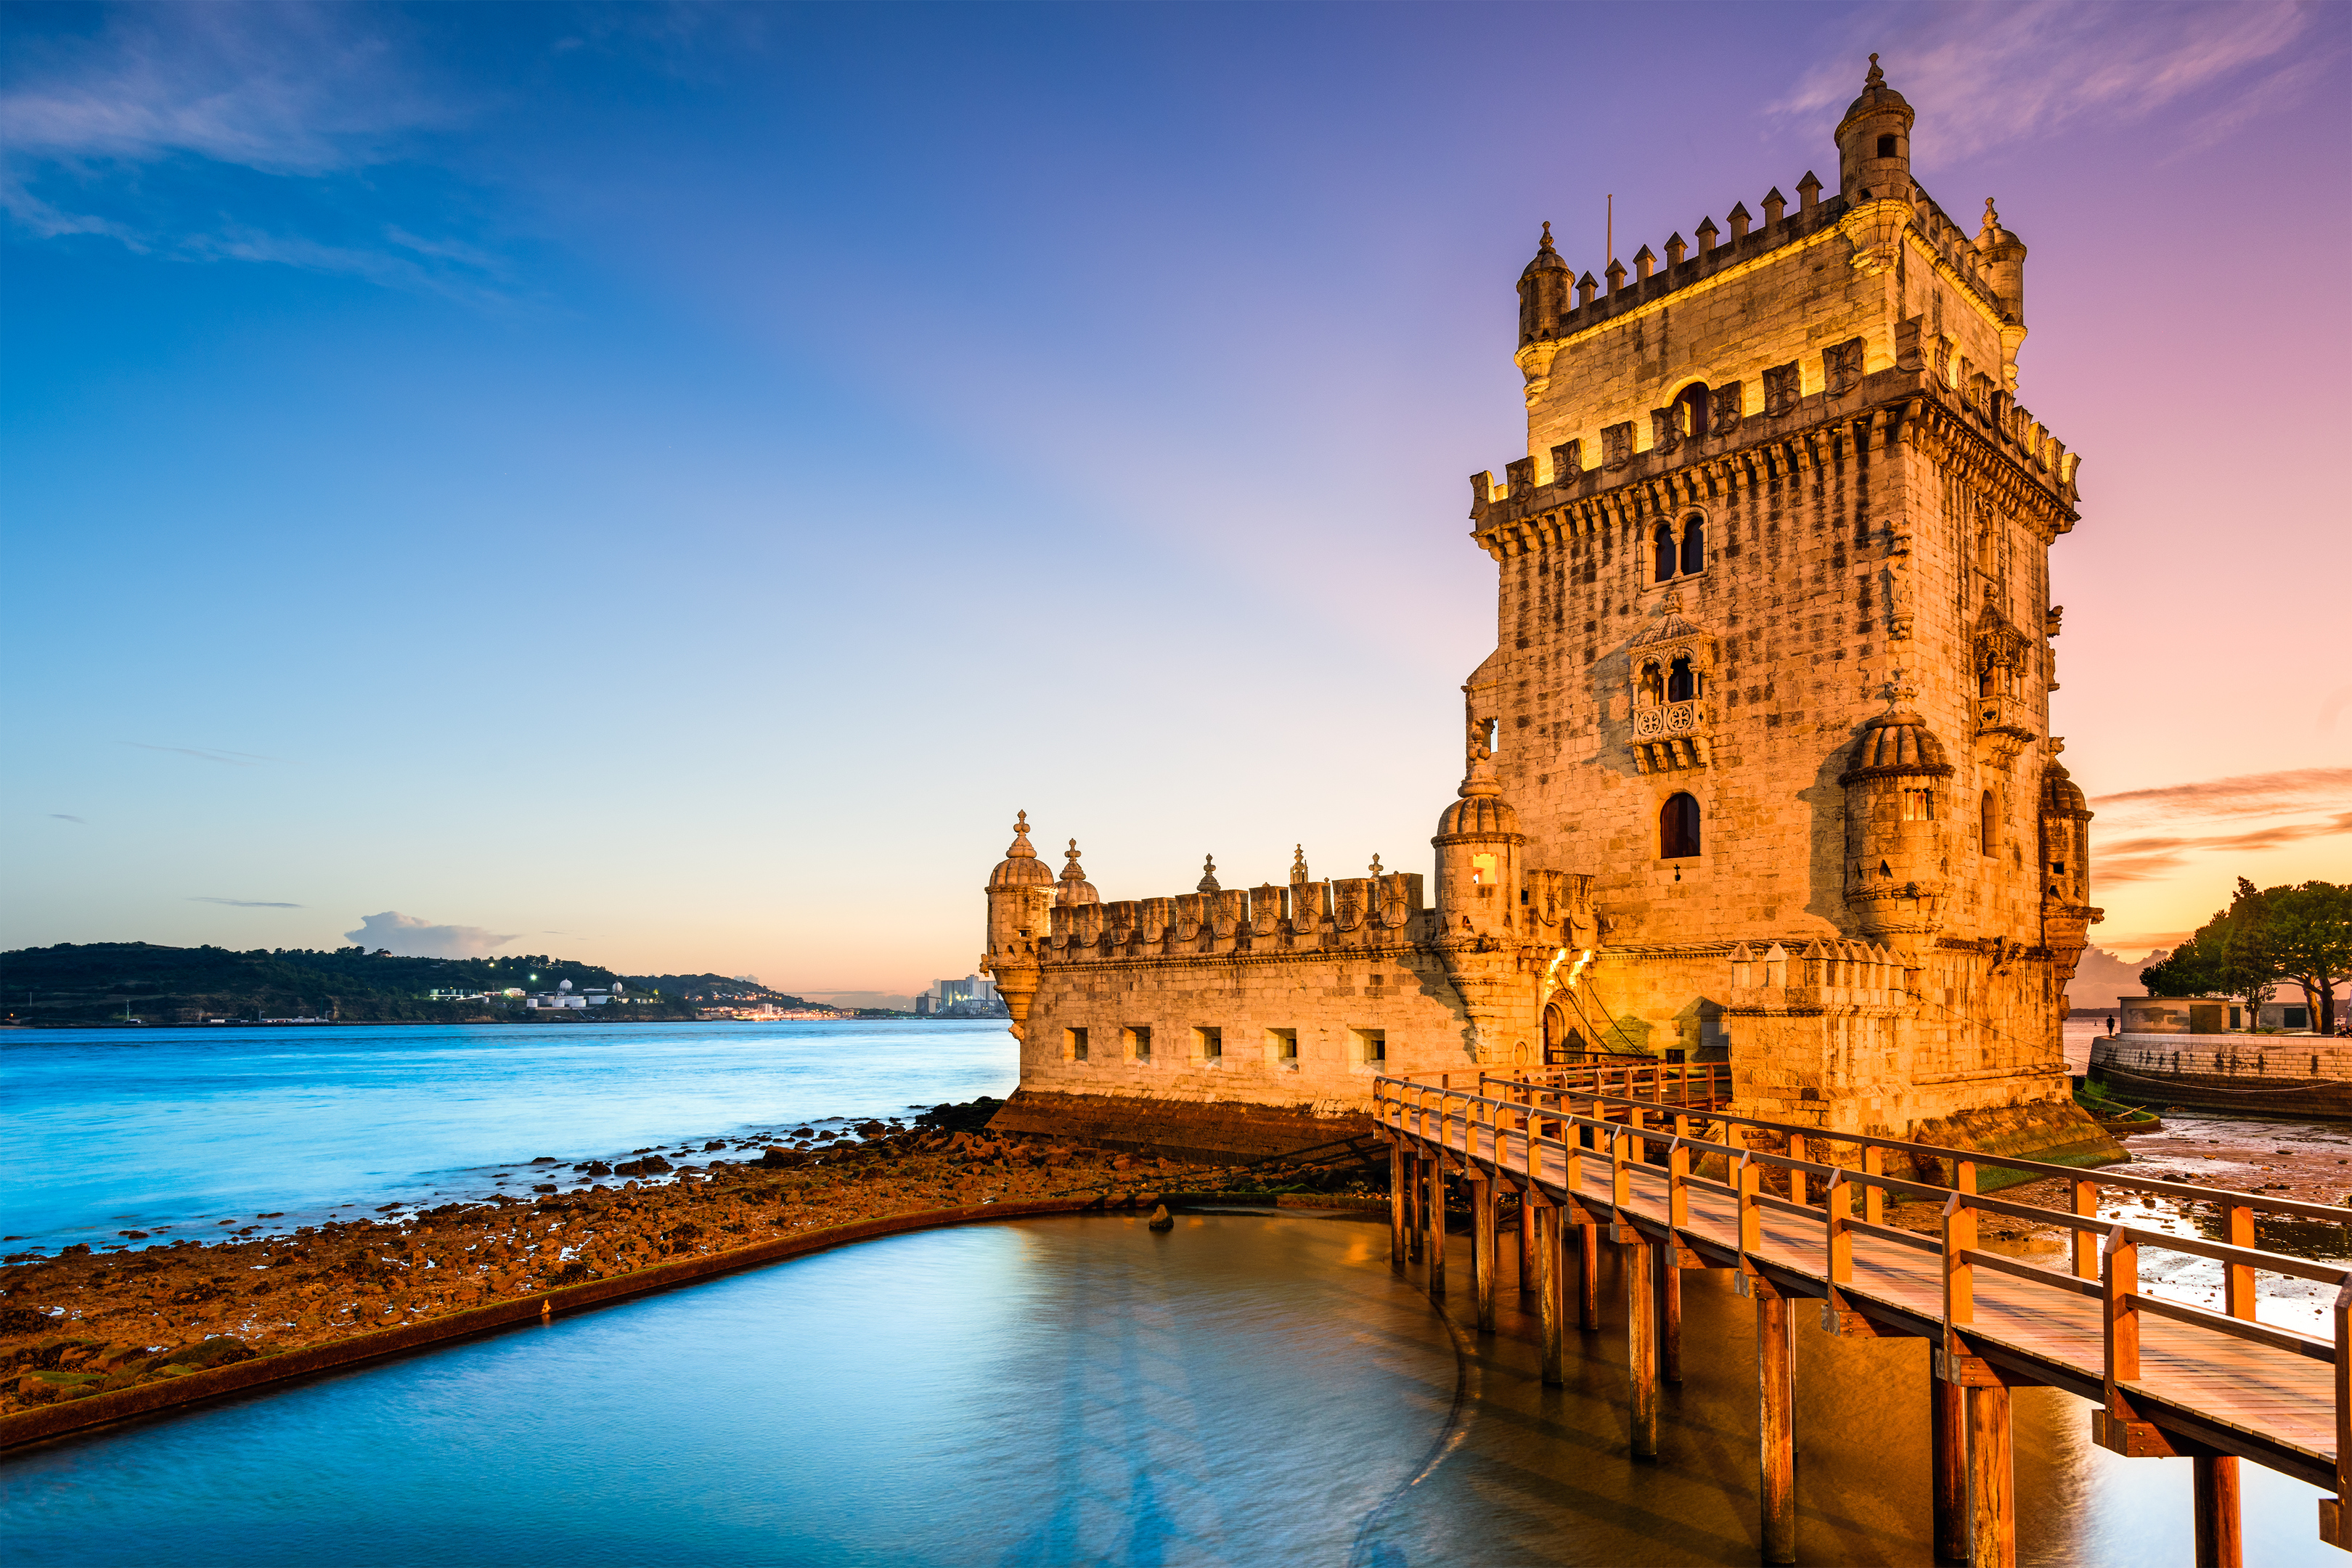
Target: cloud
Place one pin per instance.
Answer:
(2149, 859)
(413, 938)
(208, 754)
(122, 134)
(245, 903)
(2246, 794)
(1981, 76)
(62, 816)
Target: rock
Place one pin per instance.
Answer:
(1161, 1219)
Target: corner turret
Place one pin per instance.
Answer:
(1019, 892)
(1543, 292)
(1478, 843)
(1897, 863)
(2000, 256)
(1874, 143)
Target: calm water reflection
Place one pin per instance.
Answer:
(1253, 1390)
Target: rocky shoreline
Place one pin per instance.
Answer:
(85, 1323)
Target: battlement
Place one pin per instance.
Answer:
(1926, 375)
(1548, 317)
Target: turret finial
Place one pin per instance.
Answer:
(1546, 244)
(1876, 78)
(1020, 849)
(1898, 691)
(1376, 867)
(1299, 866)
(1208, 875)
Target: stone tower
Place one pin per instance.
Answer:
(1774, 645)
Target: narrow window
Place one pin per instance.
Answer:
(1208, 1043)
(1372, 1045)
(1988, 825)
(1681, 684)
(1663, 545)
(1690, 410)
(1282, 1045)
(1678, 828)
(1919, 805)
(1695, 546)
(1075, 1040)
(1139, 1041)
(1887, 146)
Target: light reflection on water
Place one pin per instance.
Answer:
(1247, 1390)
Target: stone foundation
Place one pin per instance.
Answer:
(2056, 1133)
(1169, 1128)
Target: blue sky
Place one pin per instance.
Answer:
(689, 473)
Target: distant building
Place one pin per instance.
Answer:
(451, 994)
(564, 996)
(974, 996)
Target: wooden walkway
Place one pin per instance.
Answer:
(1798, 1213)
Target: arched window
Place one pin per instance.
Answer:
(1681, 684)
(1690, 410)
(1662, 544)
(1695, 545)
(1653, 687)
(1988, 825)
(1678, 828)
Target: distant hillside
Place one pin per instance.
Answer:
(2102, 977)
(96, 982)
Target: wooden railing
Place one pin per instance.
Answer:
(1636, 1162)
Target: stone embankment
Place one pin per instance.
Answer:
(82, 1324)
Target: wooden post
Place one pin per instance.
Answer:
(2238, 1278)
(1992, 1481)
(1414, 1208)
(1436, 1227)
(1947, 1446)
(1776, 1385)
(1551, 1300)
(1482, 1252)
(1587, 1258)
(1642, 1345)
(2217, 1510)
(1670, 1315)
(1526, 1245)
(1400, 1202)
(2086, 1242)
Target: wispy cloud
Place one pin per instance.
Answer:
(2148, 858)
(2244, 794)
(63, 817)
(413, 938)
(1985, 75)
(208, 754)
(106, 133)
(245, 903)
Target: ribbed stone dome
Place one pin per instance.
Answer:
(1876, 95)
(1482, 812)
(1897, 742)
(1021, 867)
(1074, 888)
(2061, 796)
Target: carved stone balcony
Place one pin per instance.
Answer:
(2005, 726)
(1670, 736)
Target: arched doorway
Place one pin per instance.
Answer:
(1561, 1043)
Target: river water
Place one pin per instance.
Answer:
(172, 1130)
(1249, 1389)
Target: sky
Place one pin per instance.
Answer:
(690, 473)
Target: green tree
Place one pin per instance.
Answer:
(2232, 954)
(2307, 929)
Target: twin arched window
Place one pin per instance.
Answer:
(1690, 556)
(1678, 828)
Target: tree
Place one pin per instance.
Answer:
(2307, 929)
(2230, 955)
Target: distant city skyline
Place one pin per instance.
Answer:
(469, 467)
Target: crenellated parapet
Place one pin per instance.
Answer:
(1820, 975)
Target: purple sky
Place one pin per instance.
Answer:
(688, 474)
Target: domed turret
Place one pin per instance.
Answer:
(1075, 889)
(1021, 867)
(1874, 142)
(1478, 843)
(1896, 866)
(2066, 837)
(1019, 892)
(2001, 257)
(1543, 291)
